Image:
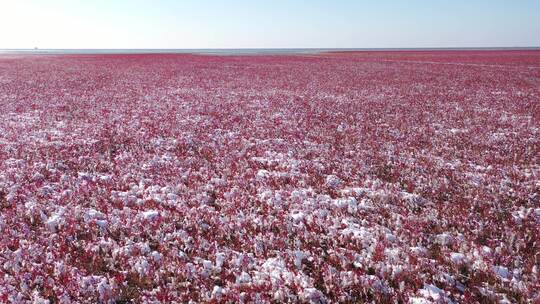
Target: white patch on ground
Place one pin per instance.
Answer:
(457, 258)
(150, 215)
(502, 272)
(333, 181)
(218, 292)
(94, 214)
(297, 216)
(142, 267)
(54, 221)
(313, 295)
(243, 278)
(262, 174)
(274, 269)
(432, 292)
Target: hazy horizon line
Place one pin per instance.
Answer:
(284, 48)
(241, 51)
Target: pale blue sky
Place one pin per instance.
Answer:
(268, 24)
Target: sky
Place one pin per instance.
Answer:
(268, 24)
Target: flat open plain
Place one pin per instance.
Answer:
(409, 177)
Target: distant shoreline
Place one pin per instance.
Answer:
(244, 51)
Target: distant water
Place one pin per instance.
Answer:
(232, 51)
(169, 51)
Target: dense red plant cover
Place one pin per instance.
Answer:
(398, 177)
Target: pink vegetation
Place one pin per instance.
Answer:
(358, 177)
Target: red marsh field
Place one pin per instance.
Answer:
(385, 177)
